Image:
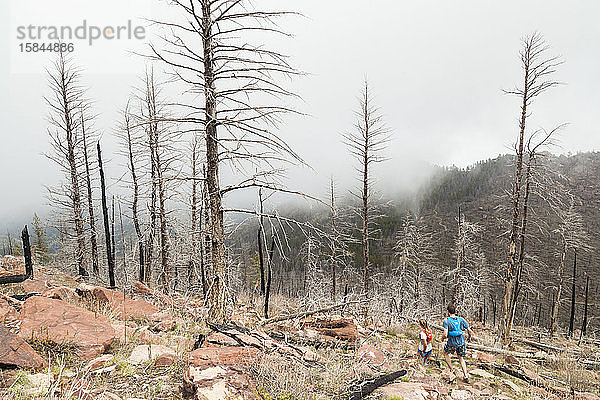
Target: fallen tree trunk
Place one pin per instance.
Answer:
(368, 386)
(307, 313)
(316, 343)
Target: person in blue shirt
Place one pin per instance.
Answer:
(454, 329)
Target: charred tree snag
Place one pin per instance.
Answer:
(107, 237)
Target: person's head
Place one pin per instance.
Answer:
(451, 309)
(424, 324)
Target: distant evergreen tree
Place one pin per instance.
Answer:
(41, 248)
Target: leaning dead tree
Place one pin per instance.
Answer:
(538, 69)
(210, 52)
(365, 143)
(66, 101)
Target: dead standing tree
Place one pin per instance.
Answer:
(109, 251)
(88, 182)
(538, 69)
(365, 144)
(131, 143)
(238, 81)
(65, 103)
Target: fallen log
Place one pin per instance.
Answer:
(307, 313)
(368, 386)
(316, 343)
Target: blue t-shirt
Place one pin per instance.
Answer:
(456, 341)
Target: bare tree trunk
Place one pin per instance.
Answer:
(123, 245)
(573, 295)
(585, 308)
(134, 206)
(216, 312)
(109, 253)
(193, 216)
(261, 262)
(112, 232)
(537, 68)
(556, 302)
(92, 221)
(27, 253)
(333, 241)
(269, 275)
(521, 256)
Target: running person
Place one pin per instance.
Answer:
(454, 328)
(425, 347)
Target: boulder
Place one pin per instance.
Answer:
(338, 328)
(16, 352)
(35, 286)
(146, 352)
(60, 322)
(405, 391)
(371, 356)
(123, 306)
(217, 383)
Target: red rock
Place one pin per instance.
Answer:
(123, 306)
(35, 286)
(234, 356)
(140, 288)
(63, 293)
(340, 328)
(165, 326)
(372, 356)
(99, 362)
(7, 312)
(60, 322)
(220, 339)
(14, 351)
(165, 360)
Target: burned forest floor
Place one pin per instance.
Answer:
(63, 338)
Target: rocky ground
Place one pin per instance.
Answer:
(61, 338)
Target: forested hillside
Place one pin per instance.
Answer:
(418, 243)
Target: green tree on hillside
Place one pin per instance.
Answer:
(40, 243)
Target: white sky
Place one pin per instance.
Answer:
(436, 67)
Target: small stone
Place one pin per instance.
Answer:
(99, 362)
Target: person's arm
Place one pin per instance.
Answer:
(470, 334)
(445, 334)
(424, 343)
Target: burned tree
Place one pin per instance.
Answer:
(537, 69)
(208, 51)
(365, 144)
(129, 139)
(109, 252)
(88, 183)
(65, 103)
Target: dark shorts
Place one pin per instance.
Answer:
(459, 350)
(424, 354)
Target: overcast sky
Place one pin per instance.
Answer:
(437, 69)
